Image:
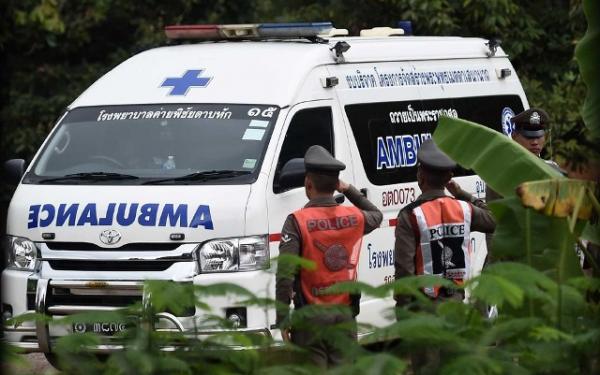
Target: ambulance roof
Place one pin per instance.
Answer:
(253, 72)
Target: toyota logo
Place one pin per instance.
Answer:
(110, 237)
(79, 328)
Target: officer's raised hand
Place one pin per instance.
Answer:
(342, 186)
(454, 188)
(458, 193)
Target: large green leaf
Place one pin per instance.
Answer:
(591, 233)
(588, 57)
(543, 242)
(497, 290)
(497, 159)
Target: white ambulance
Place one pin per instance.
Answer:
(168, 167)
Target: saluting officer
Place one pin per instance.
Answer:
(433, 232)
(330, 235)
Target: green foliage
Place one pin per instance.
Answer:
(495, 152)
(553, 339)
(289, 264)
(569, 141)
(588, 55)
(533, 238)
(375, 364)
(497, 290)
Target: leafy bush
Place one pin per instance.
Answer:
(544, 326)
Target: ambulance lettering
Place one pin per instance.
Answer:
(123, 214)
(360, 80)
(380, 258)
(399, 151)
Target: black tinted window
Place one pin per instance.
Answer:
(309, 127)
(389, 134)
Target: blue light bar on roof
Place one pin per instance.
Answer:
(249, 31)
(406, 26)
(294, 29)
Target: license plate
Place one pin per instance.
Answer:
(103, 328)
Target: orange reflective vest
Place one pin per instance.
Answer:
(331, 238)
(443, 228)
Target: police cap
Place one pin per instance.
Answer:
(531, 123)
(318, 160)
(431, 157)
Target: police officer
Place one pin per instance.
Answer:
(529, 132)
(330, 235)
(433, 232)
(530, 129)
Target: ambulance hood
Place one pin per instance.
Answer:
(139, 214)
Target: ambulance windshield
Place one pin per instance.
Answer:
(161, 144)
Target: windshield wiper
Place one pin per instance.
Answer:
(201, 176)
(93, 176)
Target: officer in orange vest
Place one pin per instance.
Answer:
(433, 232)
(330, 235)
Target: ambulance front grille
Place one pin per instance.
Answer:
(138, 246)
(123, 265)
(66, 298)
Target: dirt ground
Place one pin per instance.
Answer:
(34, 363)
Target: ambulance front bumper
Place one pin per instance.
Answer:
(40, 336)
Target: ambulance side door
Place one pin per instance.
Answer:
(307, 124)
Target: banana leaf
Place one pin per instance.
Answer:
(559, 198)
(566, 198)
(543, 242)
(587, 54)
(591, 233)
(498, 160)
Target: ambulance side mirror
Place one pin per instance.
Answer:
(13, 171)
(292, 174)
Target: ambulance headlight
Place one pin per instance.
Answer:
(234, 254)
(21, 253)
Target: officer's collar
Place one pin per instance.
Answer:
(321, 201)
(434, 193)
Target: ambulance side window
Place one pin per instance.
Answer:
(312, 126)
(389, 134)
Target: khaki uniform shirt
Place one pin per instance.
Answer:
(406, 246)
(291, 241)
